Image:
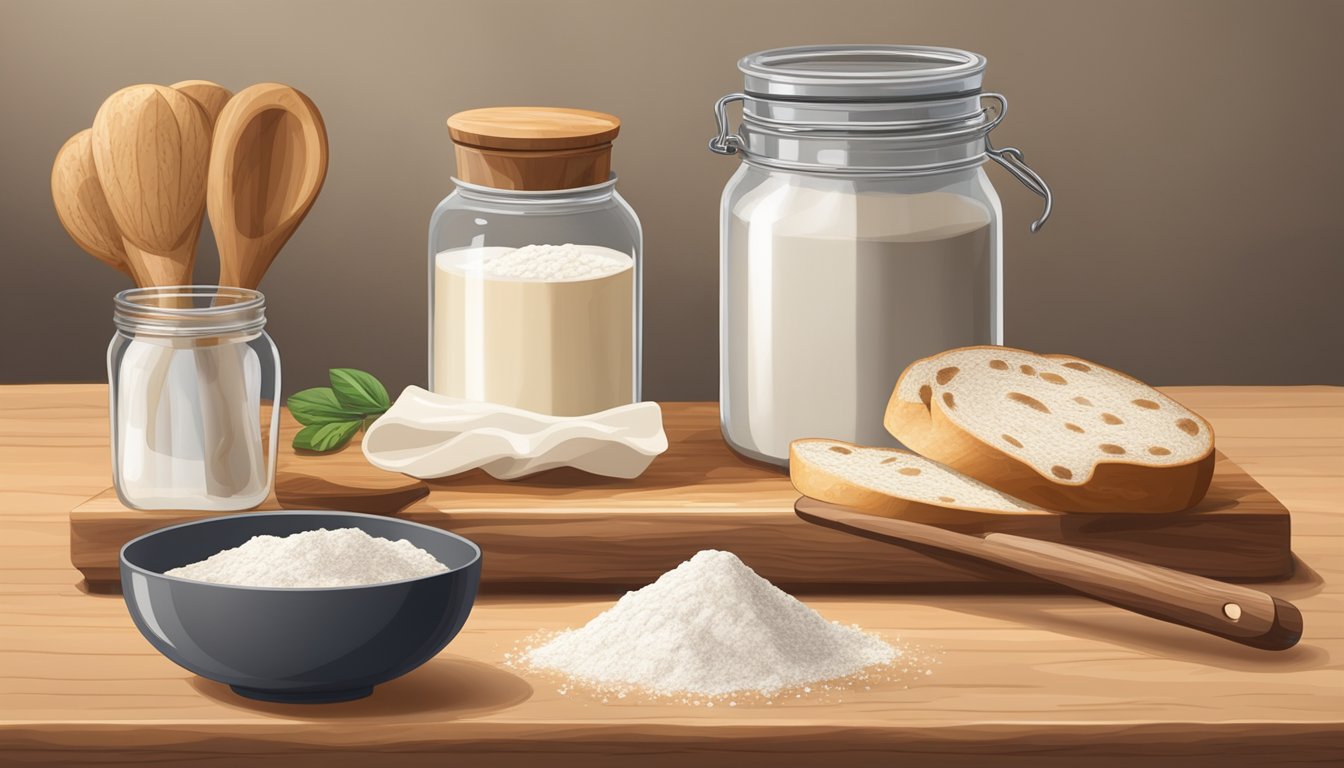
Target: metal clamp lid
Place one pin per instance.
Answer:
(1010, 158)
(1015, 163)
(726, 143)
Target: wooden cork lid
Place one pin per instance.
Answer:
(533, 148)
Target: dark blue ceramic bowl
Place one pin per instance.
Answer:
(296, 645)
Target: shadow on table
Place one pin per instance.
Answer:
(446, 686)
(1304, 582)
(1098, 621)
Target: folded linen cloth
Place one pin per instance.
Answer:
(426, 435)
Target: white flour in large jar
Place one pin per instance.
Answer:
(829, 295)
(546, 328)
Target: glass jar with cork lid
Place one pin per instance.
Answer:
(534, 265)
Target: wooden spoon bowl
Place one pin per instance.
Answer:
(81, 205)
(151, 146)
(211, 96)
(267, 165)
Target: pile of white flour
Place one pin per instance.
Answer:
(345, 557)
(711, 627)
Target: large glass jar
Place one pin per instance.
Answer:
(194, 382)
(534, 267)
(859, 234)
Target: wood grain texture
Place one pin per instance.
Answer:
(1238, 613)
(565, 528)
(268, 161)
(1027, 680)
(383, 494)
(81, 205)
(533, 148)
(210, 96)
(533, 128)
(151, 146)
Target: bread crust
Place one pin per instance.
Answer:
(1115, 485)
(823, 485)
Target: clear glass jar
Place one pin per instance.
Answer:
(562, 340)
(859, 234)
(194, 383)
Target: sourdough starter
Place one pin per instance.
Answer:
(829, 295)
(546, 328)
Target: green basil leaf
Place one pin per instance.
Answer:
(326, 437)
(359, 390)
(318, 406)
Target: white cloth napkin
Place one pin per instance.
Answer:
(426, 435)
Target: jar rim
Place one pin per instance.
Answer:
(570, 194)
(189, 310)
(880, 73)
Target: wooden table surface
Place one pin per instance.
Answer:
(1028, 680)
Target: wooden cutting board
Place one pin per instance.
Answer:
(565, 530)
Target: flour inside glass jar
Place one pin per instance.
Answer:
(546, 328)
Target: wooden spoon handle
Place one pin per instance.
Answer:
(1237, 613)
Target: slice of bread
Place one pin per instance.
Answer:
(889, 481)
(1054, 430)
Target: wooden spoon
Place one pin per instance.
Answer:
(211, 96)
(151, 146)
(81, 206)
(267, 164)
(1241, 614)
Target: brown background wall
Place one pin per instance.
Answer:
(1194, 149)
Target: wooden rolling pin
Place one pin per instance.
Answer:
(1237, 613)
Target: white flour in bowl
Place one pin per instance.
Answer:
(711, 626)
(345, 557)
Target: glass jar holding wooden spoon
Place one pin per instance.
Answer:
(194, 382)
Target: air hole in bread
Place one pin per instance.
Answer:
(946, 374)
(998, 365)
(840, 449)
(1149, 404)
(1112, 449)
(926, 395)
(1029, 401)
(1158, 450)
(889, 460)
(1188, 426)
(1111, 418)
(909, 471)
(1027, 369)
(1078, 366)
(1054, 378)
(1073, 427)
(1082, 401)
(1062, 473)
(947, 499)
(1013, 441)
(948, 399)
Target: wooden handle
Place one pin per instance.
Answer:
(1237, 613)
